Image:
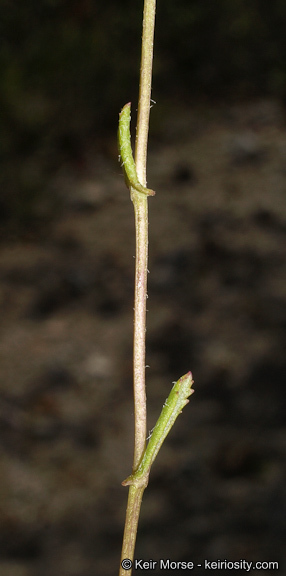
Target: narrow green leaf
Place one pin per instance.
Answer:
(177, 399)
(125, 151)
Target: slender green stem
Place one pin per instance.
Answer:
(141, 224)
(135, 176)
(131, 524)
(145, 89)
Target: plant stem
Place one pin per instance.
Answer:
(141, 225)
(131, 524)
(145, 89)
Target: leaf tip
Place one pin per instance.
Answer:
(128, 105)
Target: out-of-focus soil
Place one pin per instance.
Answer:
(217, 307)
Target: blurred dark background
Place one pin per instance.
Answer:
(217, 288)
(68, 66)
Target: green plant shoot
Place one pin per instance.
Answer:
(177, 399)
(125, 151)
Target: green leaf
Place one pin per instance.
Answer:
(177, 399)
